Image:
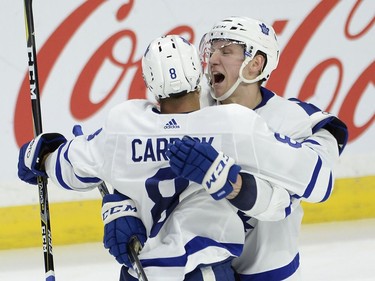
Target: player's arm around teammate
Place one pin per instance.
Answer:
(240, 54)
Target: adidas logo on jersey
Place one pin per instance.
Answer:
(172, 125)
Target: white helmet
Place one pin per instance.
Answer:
(171, 66)
(255, 35)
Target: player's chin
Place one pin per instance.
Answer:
(218, 90)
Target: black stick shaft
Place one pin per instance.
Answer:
(134, 246)
(42, 182)
(103, 189)
(37, 123)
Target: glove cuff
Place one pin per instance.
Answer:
(112, 210)
(39, 147)
(233, 173)
(219, 175)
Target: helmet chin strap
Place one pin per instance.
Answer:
(228, 93)
(238, 82)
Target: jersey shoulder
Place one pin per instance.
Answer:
(130, 114)
(229, 113)
(227, 109)
(131, 107)
(225, 119)
(277, 105)
(325, 120)
(284, 116)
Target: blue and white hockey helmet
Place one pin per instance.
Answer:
(255, 35)
(171, 66)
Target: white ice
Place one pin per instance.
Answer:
(342, 251)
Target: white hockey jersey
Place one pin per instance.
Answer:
(185, 226)
(271, 247)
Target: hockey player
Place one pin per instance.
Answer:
(129, 153)
(187, 231)
(241, 53)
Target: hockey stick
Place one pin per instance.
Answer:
(37, 122)
(134, 246)
(103, 189)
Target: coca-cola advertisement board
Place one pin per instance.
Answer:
(89, 59)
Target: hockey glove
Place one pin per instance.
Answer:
(32, 154)
(201, 163)
(121, 222)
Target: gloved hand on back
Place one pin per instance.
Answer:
(32, 154)
(201, 163)
(121, 222)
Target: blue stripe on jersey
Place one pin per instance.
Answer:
(88, 179)
(311, 141)
(307, 107)
(266, 96)
(288, 209)
(274, 274)
(193, 246)
(322, 124)
(82, 179)
(329, 189)
(198, 243)
(311, 185)
(334, 125)
(337, 128)
(59, 172)
(58, 169)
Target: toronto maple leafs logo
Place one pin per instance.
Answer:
(264, 29)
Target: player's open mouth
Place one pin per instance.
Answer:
(218, 78)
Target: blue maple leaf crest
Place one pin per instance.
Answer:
(264, 29)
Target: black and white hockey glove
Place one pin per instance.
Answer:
(32, 154)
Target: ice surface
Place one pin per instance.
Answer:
(329, 252)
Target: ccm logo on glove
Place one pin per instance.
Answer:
(217, 171)
(114, 210)
(217, 176)
(29, 148)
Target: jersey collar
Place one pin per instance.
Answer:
(266, 96)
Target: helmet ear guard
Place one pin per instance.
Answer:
(171, 67)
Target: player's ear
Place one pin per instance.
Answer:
(254, 67)
(259, 62)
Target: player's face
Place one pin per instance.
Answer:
(224, 64)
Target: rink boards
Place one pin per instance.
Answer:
(80, 221)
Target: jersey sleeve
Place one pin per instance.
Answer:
(83, 162)
(288, 163)
(76, 165)
(261, 200)
(288, 171)
(325, 120)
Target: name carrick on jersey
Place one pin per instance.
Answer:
(271, 246)
(185, 226)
